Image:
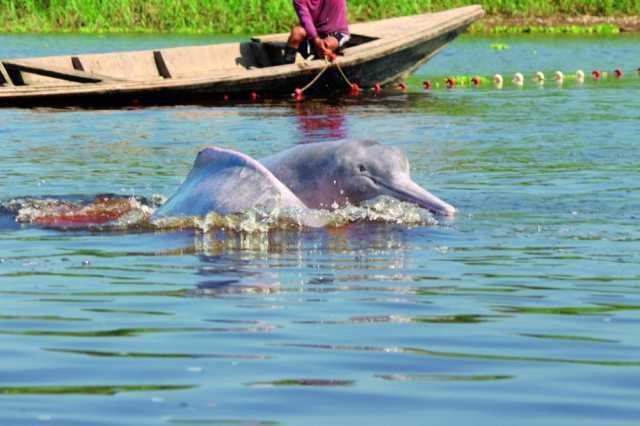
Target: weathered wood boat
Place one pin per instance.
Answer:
(379, 52)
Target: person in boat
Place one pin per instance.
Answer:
(323, 29)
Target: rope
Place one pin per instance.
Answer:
(343, 75)
(312, 82)
(326, 67)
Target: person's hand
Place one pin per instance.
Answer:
(330, 55)
(322, 49)
(320, 44)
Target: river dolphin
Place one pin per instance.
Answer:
(311, 176)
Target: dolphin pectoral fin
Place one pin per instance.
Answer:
(225, 181)
(404, 189)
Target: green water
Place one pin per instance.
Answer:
(522, 310)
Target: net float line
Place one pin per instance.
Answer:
(518, 79)
(538, 78)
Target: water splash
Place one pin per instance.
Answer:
(117, 213)
(100, 212)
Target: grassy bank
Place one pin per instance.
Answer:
(255, 16)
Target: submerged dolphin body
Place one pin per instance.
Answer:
(312, 176)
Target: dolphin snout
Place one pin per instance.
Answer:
(404, 189)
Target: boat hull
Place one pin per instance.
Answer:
(384, 60)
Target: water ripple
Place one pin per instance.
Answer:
(474, 356)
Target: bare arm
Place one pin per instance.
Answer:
(302, 9)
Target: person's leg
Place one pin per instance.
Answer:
(296, 38)
(334, 41)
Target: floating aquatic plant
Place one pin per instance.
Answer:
(500, 46)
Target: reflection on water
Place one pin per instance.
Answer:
(87, 390)
(319, 121)
(521, 310)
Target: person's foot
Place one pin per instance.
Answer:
(290, 55)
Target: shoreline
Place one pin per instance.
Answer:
(538, 24)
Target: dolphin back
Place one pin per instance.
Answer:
(225, 181)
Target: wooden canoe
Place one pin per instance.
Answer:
(379, 52)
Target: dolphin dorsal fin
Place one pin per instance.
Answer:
(227, 181)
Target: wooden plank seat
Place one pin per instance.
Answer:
(161, 65)
(13, 68)
(4, 76)
(76, 63)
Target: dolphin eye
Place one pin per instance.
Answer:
(362, 168)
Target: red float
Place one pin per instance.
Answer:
(451, 82)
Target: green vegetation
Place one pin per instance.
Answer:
(443, 377)
(500, 46)
(304, 382)
(224, 422)
(569, 338)
(88, 390)
(553, 29)
(259, 16)
(452, 319)
(569, 310)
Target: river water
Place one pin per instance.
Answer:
(524, 309)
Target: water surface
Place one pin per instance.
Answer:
(523, 310)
